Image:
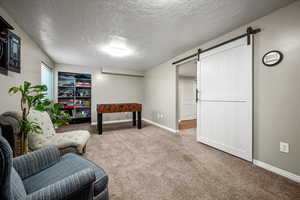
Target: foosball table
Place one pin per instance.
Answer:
(115, 108)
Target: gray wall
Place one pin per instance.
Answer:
(160, 95)
(108, 89)
(31, 58)
(276, 92)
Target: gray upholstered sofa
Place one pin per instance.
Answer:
(44, 174)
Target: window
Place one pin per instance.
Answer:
(47, 79)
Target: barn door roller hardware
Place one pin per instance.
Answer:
(250, 31)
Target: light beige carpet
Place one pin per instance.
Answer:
(153, 164)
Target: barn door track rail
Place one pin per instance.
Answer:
(250, 31)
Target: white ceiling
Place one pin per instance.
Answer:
(72, 31)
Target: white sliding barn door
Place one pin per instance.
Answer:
(225, 104)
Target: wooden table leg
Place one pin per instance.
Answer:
(99, 122)
(133, 118)
(139, 119)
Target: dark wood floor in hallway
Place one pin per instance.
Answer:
(153, 164)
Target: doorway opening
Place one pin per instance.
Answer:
(224, 95)
(186, 95)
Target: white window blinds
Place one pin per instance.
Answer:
(47, 79)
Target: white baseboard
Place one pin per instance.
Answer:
(276, 170)
(114, 121)
(146, 120)
(161, 126)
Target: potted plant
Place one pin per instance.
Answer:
(31, 96)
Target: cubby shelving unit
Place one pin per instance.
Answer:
(75, 92)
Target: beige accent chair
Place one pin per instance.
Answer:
(71, 141)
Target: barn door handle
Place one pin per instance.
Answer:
(197, 92)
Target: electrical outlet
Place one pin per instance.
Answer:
(284, 147)
(161, 116)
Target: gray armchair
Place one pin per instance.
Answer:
(44, 174)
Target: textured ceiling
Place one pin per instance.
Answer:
(72, 31)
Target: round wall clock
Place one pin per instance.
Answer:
(272, 58)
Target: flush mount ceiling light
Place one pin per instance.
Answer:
(117, 48)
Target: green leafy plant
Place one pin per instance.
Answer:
(57, 115)
(31, 97)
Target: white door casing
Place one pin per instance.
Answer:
(224, 109)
